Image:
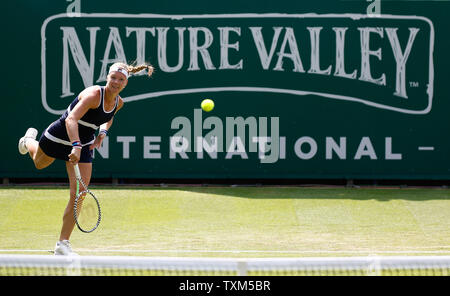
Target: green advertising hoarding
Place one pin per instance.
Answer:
(301, 90)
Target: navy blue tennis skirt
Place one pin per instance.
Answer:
(61, 151)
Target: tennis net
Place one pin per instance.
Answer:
(48, 265)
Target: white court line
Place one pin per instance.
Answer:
(244, 251)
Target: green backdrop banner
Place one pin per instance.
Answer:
(336, 89)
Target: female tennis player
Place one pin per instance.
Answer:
(72, 137)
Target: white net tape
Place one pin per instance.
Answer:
(126, 265)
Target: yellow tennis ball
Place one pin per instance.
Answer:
(207, 105)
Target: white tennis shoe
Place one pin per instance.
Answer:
(30, 134)
(63, 248)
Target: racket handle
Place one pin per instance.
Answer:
(77, 171)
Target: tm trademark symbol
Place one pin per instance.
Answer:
(413, 84)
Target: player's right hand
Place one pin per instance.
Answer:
(74, 156)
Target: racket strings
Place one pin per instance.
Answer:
(87, 211)
(79, 202)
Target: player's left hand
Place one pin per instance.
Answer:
(98, 141)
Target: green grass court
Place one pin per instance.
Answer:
(234, 221)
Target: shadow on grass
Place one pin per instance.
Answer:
(277, 192)
(325, 193)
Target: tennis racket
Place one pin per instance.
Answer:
(86, 209)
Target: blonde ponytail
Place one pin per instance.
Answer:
(135, 69)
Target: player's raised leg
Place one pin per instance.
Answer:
(28, 144)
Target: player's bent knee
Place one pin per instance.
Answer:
(39, 166)
(42, 164)
(41, 161)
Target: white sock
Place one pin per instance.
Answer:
(25, 143)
